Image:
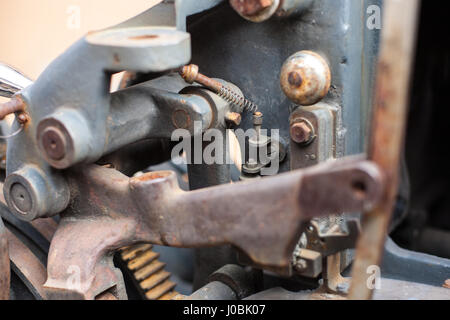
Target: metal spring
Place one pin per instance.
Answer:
(238, 100)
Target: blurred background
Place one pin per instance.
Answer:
(34, 32)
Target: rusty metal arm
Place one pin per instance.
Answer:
(111, 211)
(388, 127)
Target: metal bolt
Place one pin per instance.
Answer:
(257, 122)
(233, 118)
(301, 265)
(54, 143)
(191, 74)
(252, 163)
(302, 132)
(22, 118)
(21, 198)
(250, 7)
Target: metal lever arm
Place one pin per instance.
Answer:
(105, 216)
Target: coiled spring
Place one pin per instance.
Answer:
(238, 100)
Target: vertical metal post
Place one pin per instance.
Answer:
(388, 127)
(208, 260)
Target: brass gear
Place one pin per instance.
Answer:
(148, 272)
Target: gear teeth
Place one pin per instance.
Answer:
(155, 279)
(159, 291)
(129, 253)
(143, 259)
(149, 269)
(172, 295)
(148, 272)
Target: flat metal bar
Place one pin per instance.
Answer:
(388, 128)
(27, 266)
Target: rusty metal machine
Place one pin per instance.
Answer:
(253, 150)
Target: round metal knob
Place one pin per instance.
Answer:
(305, 78)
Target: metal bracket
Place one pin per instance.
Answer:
(333, 242)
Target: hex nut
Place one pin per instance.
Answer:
(302, 132)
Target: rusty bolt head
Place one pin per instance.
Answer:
(258, 119)
(189, 73)
(250, 7)
(302, 132)
(54, 143)
(22, 118)
(233, 118)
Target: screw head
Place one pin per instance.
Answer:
(302, 132)
(54, 142)
(21, 198)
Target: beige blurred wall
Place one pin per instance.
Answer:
(34, 32)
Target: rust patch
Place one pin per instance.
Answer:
(181, 119)
(446, 284)
(154, 176)
(144, 37)
(250, 7)
(295, 79)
